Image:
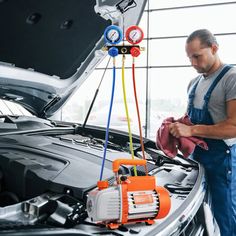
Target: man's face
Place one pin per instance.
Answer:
(201, 57)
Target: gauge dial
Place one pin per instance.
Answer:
(113, 34)
(134, 34)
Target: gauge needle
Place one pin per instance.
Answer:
(134, 34)
(113, 34)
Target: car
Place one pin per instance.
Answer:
(54, 179)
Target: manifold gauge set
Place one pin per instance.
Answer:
(130, 199)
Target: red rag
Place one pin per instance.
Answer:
(170, 144)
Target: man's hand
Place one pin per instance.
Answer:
(178, 129)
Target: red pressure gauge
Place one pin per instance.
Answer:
(134, 34)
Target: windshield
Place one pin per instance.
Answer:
(13, 109)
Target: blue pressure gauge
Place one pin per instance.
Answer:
(113, 34)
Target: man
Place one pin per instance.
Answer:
(212, 110)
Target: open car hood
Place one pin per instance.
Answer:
(48, 48)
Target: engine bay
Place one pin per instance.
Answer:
(45, 176)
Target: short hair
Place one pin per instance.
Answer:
(205, 36)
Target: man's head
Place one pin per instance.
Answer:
(201, 48)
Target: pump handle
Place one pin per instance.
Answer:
(116, 164)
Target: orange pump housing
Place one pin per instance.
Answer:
(139, 198)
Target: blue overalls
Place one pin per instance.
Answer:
(219, 162)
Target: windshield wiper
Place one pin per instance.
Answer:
(6, 122)
(51, 131)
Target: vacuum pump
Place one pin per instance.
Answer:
(131, 199)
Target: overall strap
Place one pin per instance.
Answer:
(192, 92)
(215, 82)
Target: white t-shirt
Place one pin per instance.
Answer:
(224, 91)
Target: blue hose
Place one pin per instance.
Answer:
(108, 121)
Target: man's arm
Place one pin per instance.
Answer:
(222, 130)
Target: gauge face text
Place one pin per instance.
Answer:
(134, 34)
(113, 35)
